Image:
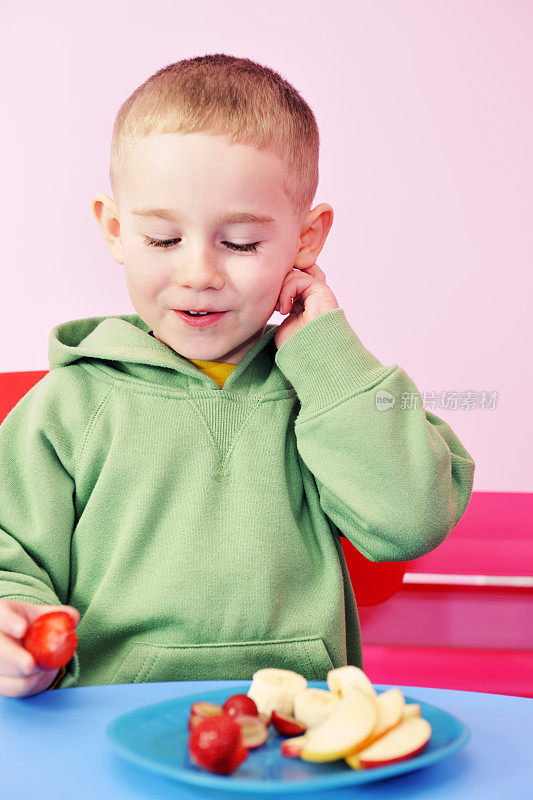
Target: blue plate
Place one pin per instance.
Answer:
(156, 737)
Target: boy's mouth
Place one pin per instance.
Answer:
(196, 311)
(199, 319)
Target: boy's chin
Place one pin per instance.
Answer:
(205, 351)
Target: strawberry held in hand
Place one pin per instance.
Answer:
(52, 639)
(304, 296)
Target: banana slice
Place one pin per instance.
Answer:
(343, 679)
(312, 706)
(274, 689)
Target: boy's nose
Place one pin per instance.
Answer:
(199, 273)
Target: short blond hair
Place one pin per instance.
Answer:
(225, 94)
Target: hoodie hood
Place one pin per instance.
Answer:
(123, 344)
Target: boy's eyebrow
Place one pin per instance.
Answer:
(229, 219)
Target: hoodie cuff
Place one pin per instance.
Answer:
(325, 361)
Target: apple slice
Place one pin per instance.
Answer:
(292, 747)
(405, 740)
(349, 725)
(286, 724)
(391, 704)
(411, 710)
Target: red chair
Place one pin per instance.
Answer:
(462, 617)
(13, 386)
(373, 583)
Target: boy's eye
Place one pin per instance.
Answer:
(252, 247)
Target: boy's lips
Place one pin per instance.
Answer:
(211, 310)
(201, 321)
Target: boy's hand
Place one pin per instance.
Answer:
(20, 676)
(311, 297)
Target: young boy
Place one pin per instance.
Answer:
(178, 483)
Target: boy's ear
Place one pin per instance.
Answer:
(105, 211)
(313, 234)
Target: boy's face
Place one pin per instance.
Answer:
(202, 179)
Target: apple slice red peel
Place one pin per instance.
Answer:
(287, 725)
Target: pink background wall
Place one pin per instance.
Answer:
(426, 124)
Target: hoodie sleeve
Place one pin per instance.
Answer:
(395, 481)
(37, 489)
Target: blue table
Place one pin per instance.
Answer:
(53, 747)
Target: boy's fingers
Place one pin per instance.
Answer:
(73, 612)
(293, 285)
(11, 621)
(23, 687)
(15, 661)
(315, 271)
(16, 617)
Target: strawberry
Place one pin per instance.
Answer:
(216, 744)
(51, 639)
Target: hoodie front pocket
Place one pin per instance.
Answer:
(150, 662)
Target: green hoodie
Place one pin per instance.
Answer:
(196, 529)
